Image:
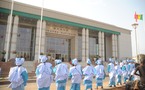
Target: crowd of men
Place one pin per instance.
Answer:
(18, 75)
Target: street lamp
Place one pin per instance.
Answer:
(135, 26)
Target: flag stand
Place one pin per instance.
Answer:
(135, 26)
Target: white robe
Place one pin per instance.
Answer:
(89, 72)
(15, 76)
(43, 73)
(99, 71)
(61, 72)
(112, 72)
(76, 73)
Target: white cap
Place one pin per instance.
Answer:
(75, 61)
(99, 62)
(57, 61)
(43, 58)
(88, 61)
(19, 61)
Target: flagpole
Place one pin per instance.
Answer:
(40, 28)
(9, 32)
(135, 26)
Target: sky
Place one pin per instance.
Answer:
(115, 12)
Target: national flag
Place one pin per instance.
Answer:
(138, 16)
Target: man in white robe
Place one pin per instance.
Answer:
(75, 73)
(88, 72)
(18, 75)
(118, 73)
(125, 71)
(44, 74)
(100, 73)
(61, 75)
(111, 71)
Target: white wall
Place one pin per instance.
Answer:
(125, 49)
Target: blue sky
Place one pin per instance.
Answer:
(116, 12)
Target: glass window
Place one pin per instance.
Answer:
(26, 37)
(57, 46)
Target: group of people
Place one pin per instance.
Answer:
(18, 75)
(133, 74)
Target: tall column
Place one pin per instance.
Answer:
(8, 32)
(14, 37)
(74, 47)
(103, 54)
(116, 46)
(83, 44)
(100, 43)
(87, 44)
(43, 36)
(37, 40)
(113, 45)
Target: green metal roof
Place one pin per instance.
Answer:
(19, 13)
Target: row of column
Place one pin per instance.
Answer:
(14, 32)
(101, 43)
(85, 44)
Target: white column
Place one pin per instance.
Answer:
(76, 45)
(103, 56)
(37, 40)
(14, 37)
(43, 36)
(116, 46)
(99, 37)
(113, 46)
(87, 44)
(8, 32)
(83, 44)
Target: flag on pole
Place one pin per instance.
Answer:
(138, 17)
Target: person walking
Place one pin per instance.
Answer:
(18, 75)
(75, 73)
(100, 73)
(88, 72)
(44, 74)
(112, 73)
(125, 71)
(118, 73)
(61, 75)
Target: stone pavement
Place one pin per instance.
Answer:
(33, 86)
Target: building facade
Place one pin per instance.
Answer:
(25, 31)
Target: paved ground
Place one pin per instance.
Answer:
(33, 86)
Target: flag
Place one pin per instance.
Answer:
(138, 17)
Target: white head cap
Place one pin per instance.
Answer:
(19, 61)
(99, 62)
(75, 61)
(57, 61)
(88, 61)
(43, 59)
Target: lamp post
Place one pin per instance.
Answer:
(135, 26)
(40, 28)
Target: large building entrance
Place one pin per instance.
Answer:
(60, 41)
(58, 48)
